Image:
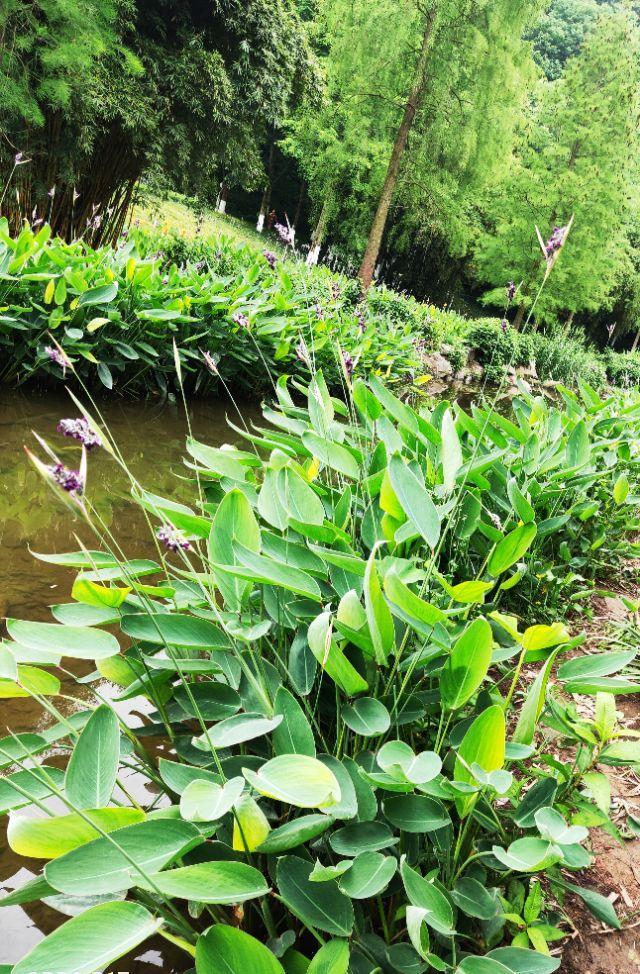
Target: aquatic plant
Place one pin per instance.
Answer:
(353, 775)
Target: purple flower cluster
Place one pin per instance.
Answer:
(361, 318)
(511, 291)
(319, 312)
(336, 291)
(348, 363)
(57, 356)
(172, 539)
(285, 233)
(240, 319)
(504, 324)
(79, 429)
(69, 480)
(555, 241)
(270, 258)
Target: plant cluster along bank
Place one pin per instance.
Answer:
(243, 316)
(352, 647)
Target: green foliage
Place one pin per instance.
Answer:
(121, 87)
(358, 772)
(561, 32)
(115, 314)
(576, 158)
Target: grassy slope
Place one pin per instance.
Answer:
(177, 217)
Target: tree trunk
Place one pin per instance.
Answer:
(519, 318)
(222, 198)
(393, 170)
(318, 234)
(266, 196)
(635, 341)
(296, 218)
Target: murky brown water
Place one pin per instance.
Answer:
(151, 438)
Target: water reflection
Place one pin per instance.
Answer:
(151, 439)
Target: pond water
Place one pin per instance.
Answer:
(151, 439)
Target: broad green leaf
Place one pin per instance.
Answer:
(533, 704)
(369, 875)
(92, 941)
(237, 730)
(415, 501)
(234, 523)
(250, 826)
(415, 611)
(416, 813)
(578, 449)
(268, 571)
(333, 958)
(34, 781)
(600, 906)
(297, 779)
(511, 549)
(321, 905)
(483, 744)
(474, 899)
(467, 664)
(93, 767)
(220, 461)
(331, 658)
(221, 883)
(427, 896)
(294, 833)
(50, 837)
(171, 629)
(206, 801)
(226, 950)
(522, 961)
(294, 734)
(360, 837)
(332, 455)
(29, 680)
(621, 489)
(379, 618)
(105, 866)
(528, 855)
(367, 717)
(451, 452)
(102, 294)
(48, 642)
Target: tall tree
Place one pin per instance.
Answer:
(101, 91)
(578, 157)
(469, 49)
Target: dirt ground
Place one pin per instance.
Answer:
(594, 948)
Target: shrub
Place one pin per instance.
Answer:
(351, 771)
(623, 368)
(116, 313)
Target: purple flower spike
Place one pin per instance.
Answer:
(348, 363)
(172, 539)
(240, 319)
(58, 357)
(511, 291)
(555, 241)
(270, 258)
(79, 429)
(69, 480)
(285, 233)
(504, 324)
